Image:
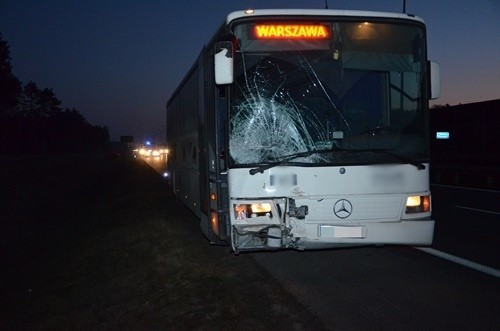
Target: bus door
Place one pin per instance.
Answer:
(215, 195)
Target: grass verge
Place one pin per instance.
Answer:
(96, 243)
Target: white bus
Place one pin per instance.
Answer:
(307, 129)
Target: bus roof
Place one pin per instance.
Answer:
(317, 12)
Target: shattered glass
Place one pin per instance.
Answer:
(268, 123)
(306, 97)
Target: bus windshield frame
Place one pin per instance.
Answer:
(363, 87)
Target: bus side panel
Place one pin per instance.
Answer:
(172, 134)
(203, 130)
(193, 139)
(182, 137)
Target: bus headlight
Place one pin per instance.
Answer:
(260, 207)
(418, 204)
(251, 210)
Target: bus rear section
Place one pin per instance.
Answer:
(307, 129)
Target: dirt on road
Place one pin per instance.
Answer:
(89, 243)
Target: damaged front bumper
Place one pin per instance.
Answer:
(313, 235)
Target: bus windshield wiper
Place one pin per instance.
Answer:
(287, 158)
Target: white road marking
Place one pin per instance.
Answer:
(480, 210)
(467, 263)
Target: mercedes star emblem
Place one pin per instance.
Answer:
(342, 208)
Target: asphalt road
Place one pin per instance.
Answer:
(387, 289)
(402, 288)
(159, 164)
(467, 223)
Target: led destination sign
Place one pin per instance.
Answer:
(291, 31)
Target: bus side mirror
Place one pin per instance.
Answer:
(435, 80)
(223, 59)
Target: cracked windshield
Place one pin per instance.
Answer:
(348, 90)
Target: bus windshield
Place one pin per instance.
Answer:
(339, 86)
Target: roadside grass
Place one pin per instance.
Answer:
(96, 243)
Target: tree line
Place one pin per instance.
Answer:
(33, 122)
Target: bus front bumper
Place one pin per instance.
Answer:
(317, 235)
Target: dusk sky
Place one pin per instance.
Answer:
(118, 62)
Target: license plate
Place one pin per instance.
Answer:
(333, 231)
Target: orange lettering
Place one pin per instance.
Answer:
(290, 31)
